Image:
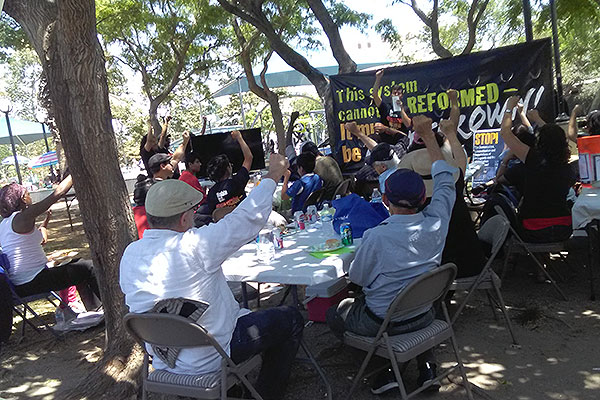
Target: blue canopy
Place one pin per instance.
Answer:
(24, 132)
(284, 79)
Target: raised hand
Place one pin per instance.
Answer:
(236, 135)
(452, 96)
(278, 165)
(185, 136)
(379, 74)
(422, 126)
(447, 127)
(533, 114)
(577, 109)
(352, 128)
(379, 127)
(512, 102)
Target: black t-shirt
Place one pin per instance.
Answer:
(229, 192)
(146, 155)
(515, 175)
(545, 189)
(388, 117)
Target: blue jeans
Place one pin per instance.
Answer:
(276, 333)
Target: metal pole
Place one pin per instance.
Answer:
(47, 147)
(239, 79)
(14, 150)
(527, 20)
(557, 69)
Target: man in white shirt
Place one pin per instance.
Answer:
(173, 260)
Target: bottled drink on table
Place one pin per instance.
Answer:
(327, 221)
(265, 250)
(376, 196)
(312, 216)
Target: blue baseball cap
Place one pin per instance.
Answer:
(405, 188)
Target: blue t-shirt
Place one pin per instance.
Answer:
(301, 189)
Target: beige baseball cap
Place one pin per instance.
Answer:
(171, 197)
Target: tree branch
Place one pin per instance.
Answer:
(345, 62)
(473, 18)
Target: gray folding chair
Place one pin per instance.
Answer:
(515, 244)
(424, 290)
(493, 232)
(168, 330)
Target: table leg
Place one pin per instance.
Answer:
(244, 295)
(69, 212)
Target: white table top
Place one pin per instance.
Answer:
(292, 265)
(586, 207)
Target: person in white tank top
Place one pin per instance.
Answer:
(22, 243)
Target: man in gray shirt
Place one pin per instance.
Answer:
(392, 254)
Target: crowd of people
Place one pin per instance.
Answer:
(419, 171)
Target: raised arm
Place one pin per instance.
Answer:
(163, 133)
(454, 107)
(237, 135)
(180, 152)
(376, 85)
(286, 183)
(203, 131)
(422, 126)
(519, 148)
(504, 164)
(150, 138)
(353, 129)
(449, 129)
(534, 116)
(24, 222)
(572, 130)
(523, 116)
(406, 120)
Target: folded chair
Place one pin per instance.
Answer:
(423, 291)
(20, 305)
(343, 188)
(168, 330)
(515, 244)
(493, 232)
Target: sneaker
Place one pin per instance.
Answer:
(384, 381)
(426, 375)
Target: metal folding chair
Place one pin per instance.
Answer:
(21, 304)
(169, 330)
(515, 244)
(493, 232)
(424, 290)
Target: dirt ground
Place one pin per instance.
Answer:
(558, 356)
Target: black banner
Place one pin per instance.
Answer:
(484, 81)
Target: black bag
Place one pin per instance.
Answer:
(6, 309)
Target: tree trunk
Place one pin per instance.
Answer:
(64, 36)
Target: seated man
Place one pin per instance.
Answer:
(303, 187)
(175, 260)
(404, 246)
(161, 166)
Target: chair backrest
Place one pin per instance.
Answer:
(422, 291)
(314, 198)
(343, 188)
(220, 213)
(494, 232)
(168, 330)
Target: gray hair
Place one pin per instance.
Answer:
(163, 222)
(389, 164)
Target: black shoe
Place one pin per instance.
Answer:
(384, 381)
(427, 373)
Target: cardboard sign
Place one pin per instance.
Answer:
(208, 146)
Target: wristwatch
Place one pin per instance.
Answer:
(509, 110)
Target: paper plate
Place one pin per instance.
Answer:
(322, 248)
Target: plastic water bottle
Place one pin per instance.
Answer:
(376, 196)
(327, 221)
(265, 249)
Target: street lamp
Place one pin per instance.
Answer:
(6, 108)
(41, 117)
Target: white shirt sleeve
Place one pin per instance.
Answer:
(216, 242)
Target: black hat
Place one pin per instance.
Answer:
(381, 152)
(157, 160)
